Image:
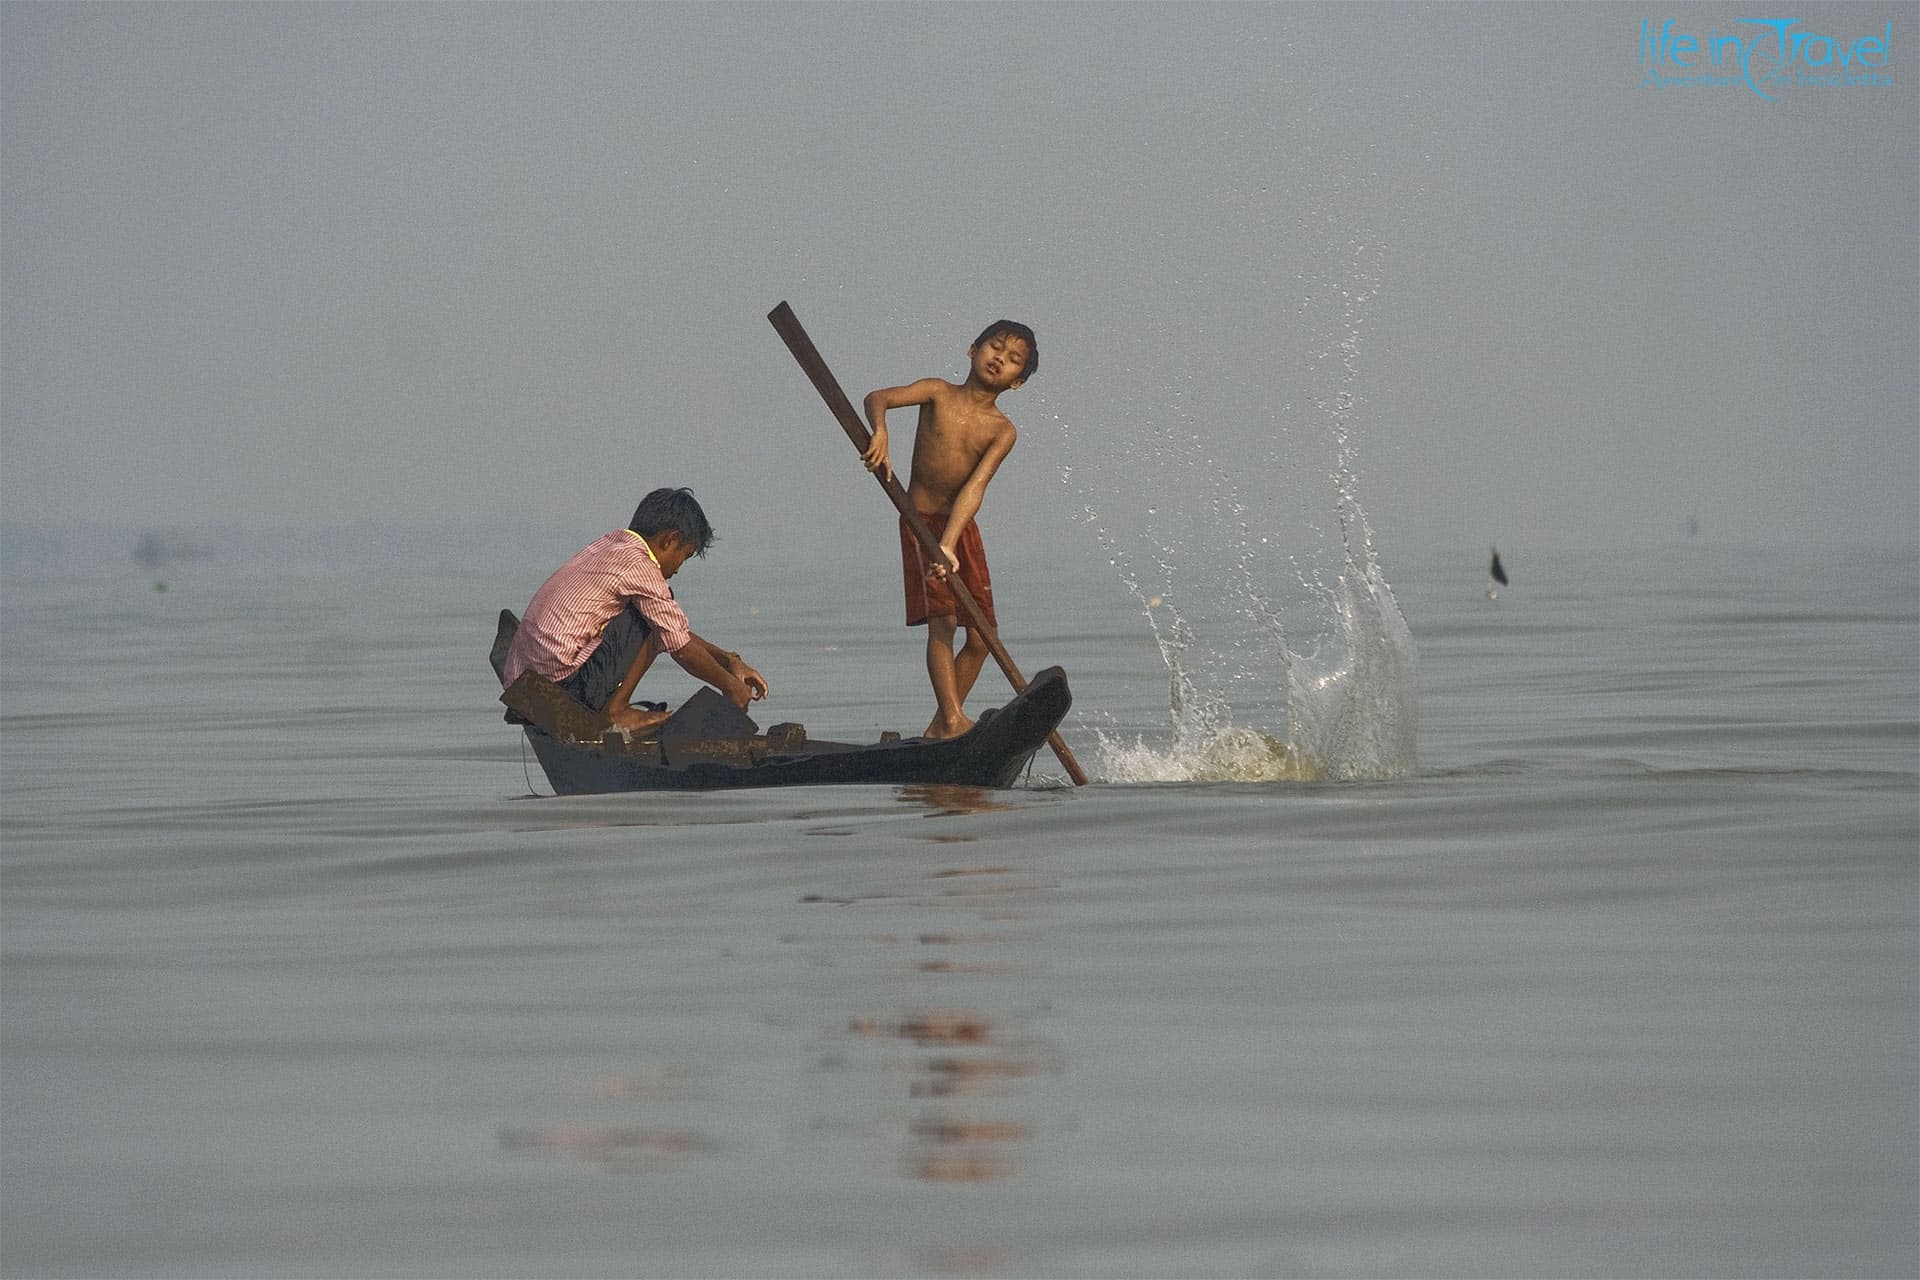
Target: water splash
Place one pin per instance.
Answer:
(1244, 702)
(1365, 710)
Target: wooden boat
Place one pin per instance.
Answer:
(710, 744)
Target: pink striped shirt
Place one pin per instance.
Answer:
(571, 608)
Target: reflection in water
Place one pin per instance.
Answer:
(659, 1084)
(954, 966)
(951, 1149)
(620, 1148)
(949, 1076)
(944, 1069)
(972, 1059)
(959, 1166)
(967, 1066)
(962, 1262)
(946, 799)
(610, 1147)
(936, 1027)
(947, 1130)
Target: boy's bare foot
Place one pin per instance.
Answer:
(942, 726)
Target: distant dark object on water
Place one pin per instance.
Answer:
(1693, 526)
(1496, 576)
(152, 551)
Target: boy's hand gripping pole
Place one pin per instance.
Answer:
(788, 326)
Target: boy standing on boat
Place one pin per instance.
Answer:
(597, 624)
(961, 440)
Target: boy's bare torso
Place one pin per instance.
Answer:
(956, 430)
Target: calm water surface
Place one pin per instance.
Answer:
(299, 978)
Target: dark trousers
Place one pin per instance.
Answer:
(607, 665)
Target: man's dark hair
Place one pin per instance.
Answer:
(1013, 328)
(675, 510)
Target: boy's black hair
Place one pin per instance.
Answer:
(674, 510)
(1014, 328)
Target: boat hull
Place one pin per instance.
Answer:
(993, 754)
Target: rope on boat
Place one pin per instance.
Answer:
(526, 772)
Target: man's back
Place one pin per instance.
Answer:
(567, 614)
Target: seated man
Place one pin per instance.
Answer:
(597, 624)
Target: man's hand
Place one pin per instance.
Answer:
(735, 690)
(755, 682)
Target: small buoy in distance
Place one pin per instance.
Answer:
(1496, 570)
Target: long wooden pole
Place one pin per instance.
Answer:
(788, 326)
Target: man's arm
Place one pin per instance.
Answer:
(877, 404)
(966, 503)
(727, 658)
(696, 658)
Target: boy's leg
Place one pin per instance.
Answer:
(967, 664)
(948, 720)
(972, 555)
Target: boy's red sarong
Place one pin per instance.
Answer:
(935, 599)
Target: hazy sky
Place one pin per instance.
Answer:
(314, 264)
